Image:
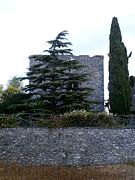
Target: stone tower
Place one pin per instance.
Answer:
(95, 70)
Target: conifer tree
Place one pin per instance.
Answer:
(119, 85)
(55, 83)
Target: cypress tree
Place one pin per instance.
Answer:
(119, 85)
(56, 81)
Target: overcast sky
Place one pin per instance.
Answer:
(26, 25)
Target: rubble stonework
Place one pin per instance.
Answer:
(67, 146)
(95, 71)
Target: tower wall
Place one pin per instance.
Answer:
(95, 70)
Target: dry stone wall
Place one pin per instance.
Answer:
(67, 146)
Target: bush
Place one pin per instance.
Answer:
(7, 121)
(49, 123)
(82, 118)
(105, 120)
(76, 118)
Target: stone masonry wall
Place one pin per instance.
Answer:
(95, 71)
(67, 146)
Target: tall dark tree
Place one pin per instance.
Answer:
(119, 85)
(55, 80)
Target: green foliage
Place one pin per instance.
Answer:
(7, 121)
(119, 86)
(55, 83)
(75, 118)
(78, 118)
(13, 99)
(49, 123)
(104, 120)
(1, 92)
(15, 84)
(83, 118)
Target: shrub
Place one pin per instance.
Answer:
(49, 123)
(7, 121)
(105, 120)
(76, 118)
(82, 118)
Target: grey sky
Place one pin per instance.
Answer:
(27, 24)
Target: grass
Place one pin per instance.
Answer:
(109, 172)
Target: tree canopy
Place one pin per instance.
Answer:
(55, 83)
(119, 85)
(12, 99)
